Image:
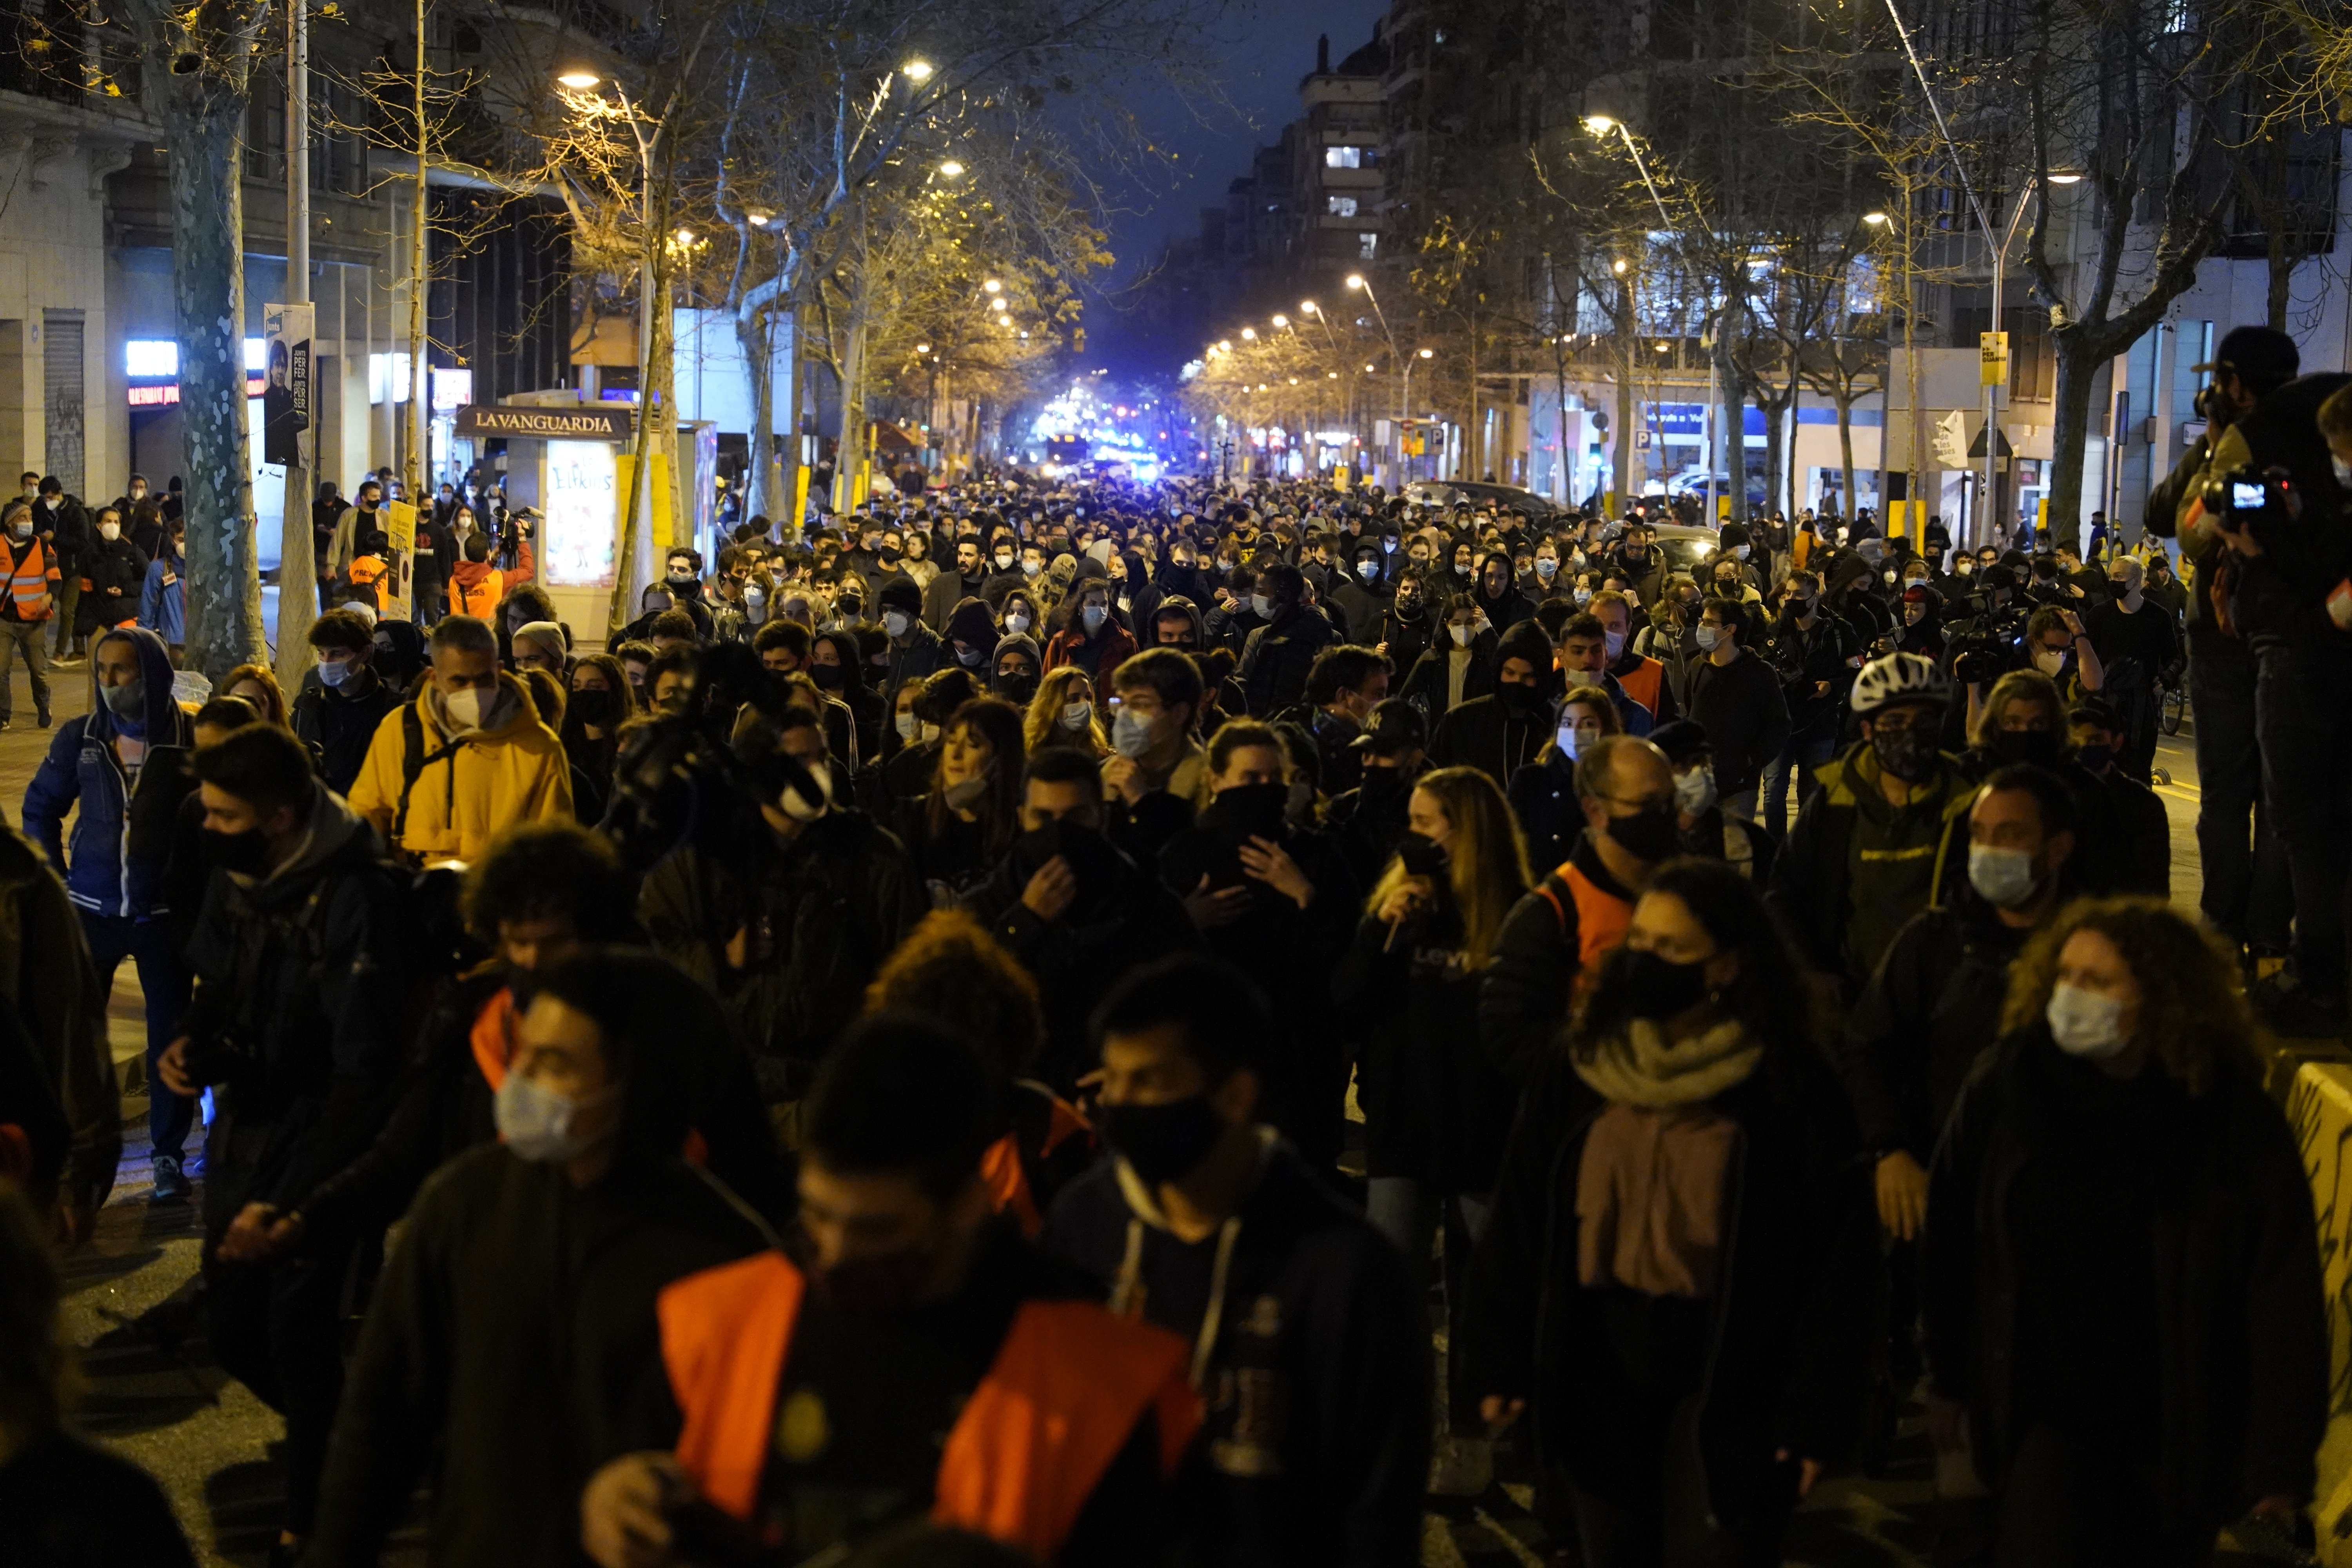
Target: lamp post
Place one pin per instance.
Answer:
(1359, 282)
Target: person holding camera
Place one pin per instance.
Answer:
(2266, 517)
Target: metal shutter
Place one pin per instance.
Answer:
(62, 396)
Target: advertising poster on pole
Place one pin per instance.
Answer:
(400, 561)
(286, 386)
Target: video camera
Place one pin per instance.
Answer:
(1989, 642)
(2237, 498)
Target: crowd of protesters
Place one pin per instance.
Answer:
(1006, 1026)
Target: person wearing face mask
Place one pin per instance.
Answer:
(1884, 834)
(1016, 667)
(911, 753)
(1072, 907)
(1811, 648)
(2138, 645)
(599, 701)
(956, 834)
(112, 572)
(1274, 899)
(119, 770)
(1543, 792)
(2138, 828)
(1091, 636)
(1156, 777)
(306, 966)
(786, 915)
(1366, 822)
(1676, 1283)
(1459, 662)
(1934, 1003)
(1581, 654)
(1735, 696)
(1308, 1345)
(1407, 625)
(467, 758)
(1503, 731)
(836, 666)
(339, 712)
(903, 1356)
(1342, 689)
(1498, 595)
(1435, 1109)
(1642, 680)
(559, 1229)
(1278, 655)
(2124, 1318)
(1708, 830)
(1364, 598)
(29, 568)
(916, 650)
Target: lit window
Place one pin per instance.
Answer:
(1343, 207)
(1365, 244)
(257, 354)
(151, 357)
(1343, 157)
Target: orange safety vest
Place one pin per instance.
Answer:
(1602, 917)
(371, 572)
(478, 600)
(492, 1038)
(29, 577)
(1008, 1183)
(1067, 1387)
(1643, 683)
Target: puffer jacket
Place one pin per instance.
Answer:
(467, 790)
(113, 573)
(122, 831)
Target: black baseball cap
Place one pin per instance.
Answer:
(1395, 725)
(1682, 740)
(2260, 355)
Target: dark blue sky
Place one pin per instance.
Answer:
(1261, 49)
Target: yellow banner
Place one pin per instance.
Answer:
(799, 500)
(400, 564)
(664, 520)
(1993, 354)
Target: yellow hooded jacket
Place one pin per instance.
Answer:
(465, 798)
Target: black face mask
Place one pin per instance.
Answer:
(2097, 756)
(1656, 987)
(1650, 834)
(827, 676)
(1382, 785)
(1162, 1142)
(592, 705)
(246, 853)
(1521, 700)
(892, 1282)
(1089, 854)
(1423, 856)
(2039, 747)
(1908, 755)
(1247, 811)
(1016, 685)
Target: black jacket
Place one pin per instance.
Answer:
(1788, 1350)
(1364, 605)
(1277, 657)
(115, 573)
(1430, 679)
(821, 911)
(1317, 1385)
(2209, 1210)
(507, 1348)
(1365, 823)
(1915, 1032)
(307, 995)
(1747, 720)
(1121, 917)
(339, 724)
(1494, 736)
(1407, 638)
(1543, 797)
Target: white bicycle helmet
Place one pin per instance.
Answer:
(1895, 677)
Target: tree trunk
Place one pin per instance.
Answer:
(1847, 488)
(203, 119)
(850, 444)
(1734, 429)
(2079, 358)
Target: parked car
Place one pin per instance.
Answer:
(1445, 493)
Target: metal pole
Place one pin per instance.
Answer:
(298, 588)
(415, 467)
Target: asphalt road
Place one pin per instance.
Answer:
(153, 1394)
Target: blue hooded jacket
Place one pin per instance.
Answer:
(110, 870)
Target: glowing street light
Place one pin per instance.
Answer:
(1874, 220)
(1249, 334)
(991, 286)
(922, 348)
(918, 71)
(1306, 307)
(951, 168)
(1618, 266)
(579, 81)
(686, 237)
(1429, 354)
(1280, 320)
(1355, 280)
(1226, 346)
(1600, 124)
(2064, 179)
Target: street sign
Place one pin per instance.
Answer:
(1952, 440)
(1992, 351)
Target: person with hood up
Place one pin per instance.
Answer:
(503, 1344)
(1133, 593)
(1309, 1347)
(305, 969)
(971, 637)
(112, 573)
(916, 650)
(338, 712)
(1180, 576)
(121, 770)
(1278, 655)
(1364, 598)
(466, 759)
(1501, 732)
(1015, 669)
(1498, 595)
(1736, 696)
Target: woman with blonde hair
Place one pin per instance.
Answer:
(1435, 1109)
(257, 684)
(1064, 714)
(2125, 1317)
(1543, 792)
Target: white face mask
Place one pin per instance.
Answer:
(1075, 714)
(1261, 606)
(536, 1124)
(2085, 1023)
(1016, 623)
(909, 727)
(1612, 644)
(896, 623)
(1707, 636)
(1694, 791)
(1462, 635)
(110, 531)
(798, 806)
(474, 707)
(2003, 878)
(1092, 618)
(2049, 663)
(1739, 552)
(1004, 564)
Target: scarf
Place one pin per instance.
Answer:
(1643, 1067)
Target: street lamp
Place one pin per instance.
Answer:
(1249, 334)
(917, 71)
(951, 168)
(1875, 220)
(579, 81)
(991, 286)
